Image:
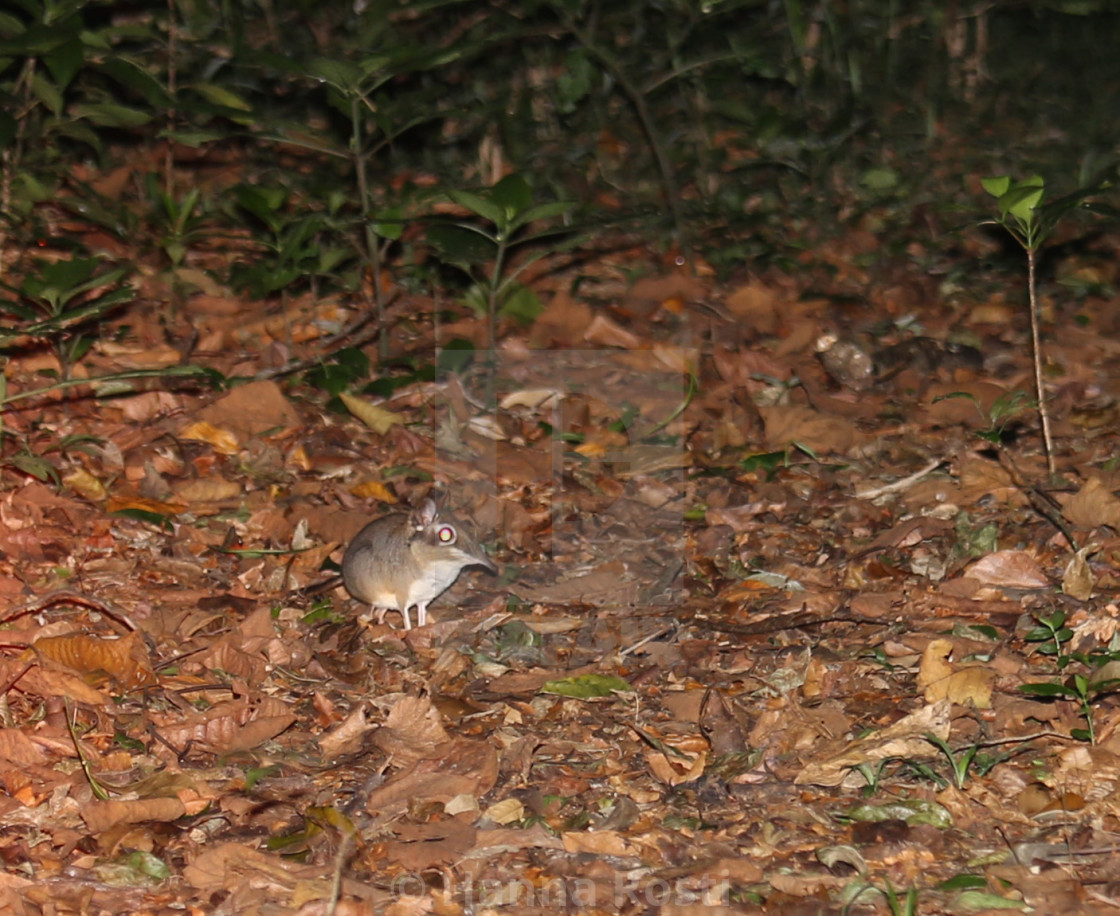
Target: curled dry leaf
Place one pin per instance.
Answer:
(222, 441)
(1078, 579)
(376, 418)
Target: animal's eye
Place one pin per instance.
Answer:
(446, 534)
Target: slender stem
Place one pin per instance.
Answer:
(1036, 347)
(172, 88)
(373, 249)
(170, 371)
(637, 99)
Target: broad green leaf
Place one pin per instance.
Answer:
(513, 194)
(477, 204)
(521, 304)
(459, 245)
(389, 224)
(38, 40)
(65, 61)
(342, 75)
(1021, 200)
(139, 80)
(997, 187)
(263, 203)
(541, 211)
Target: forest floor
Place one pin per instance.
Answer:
(777, 555)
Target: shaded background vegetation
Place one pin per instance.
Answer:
(308, 136)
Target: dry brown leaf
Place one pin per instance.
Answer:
(207, 490)
(155, 506)
(101, 815)
(1093, 506)
(462, 766)
(413, 730)
(376, 418)
(223, 441)
(251, 410)
(757, 306)
(346, 737)
(598, 842)
(563, 321)
(802, 425)
(18, 749)
(235, 725)
(85, 484)
(533, 399)
(673, 770)
(608, 333)
(1008, 569)
(937, 677)
(125, 659)
(905, 739)
(1078, 579)
(980, 478)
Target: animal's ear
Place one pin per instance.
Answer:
(426, 512)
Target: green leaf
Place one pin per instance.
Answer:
(997, 187)
(513, 194)
(1047, 690)
(1021, 201)
(389, 224)
(219, 95)
(143, 515)
(65, 61)
(343, 75)
(137, 79)
(911, 810)
(108, 114)
(47, 93)
(455, 356)
(982, 900)
(962, 882)
(586, 686)
(480, 205)
(36, 467)
(459, 245)
(541, 211)
(263, 203)
(521, 304)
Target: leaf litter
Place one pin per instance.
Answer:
(757, 643)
